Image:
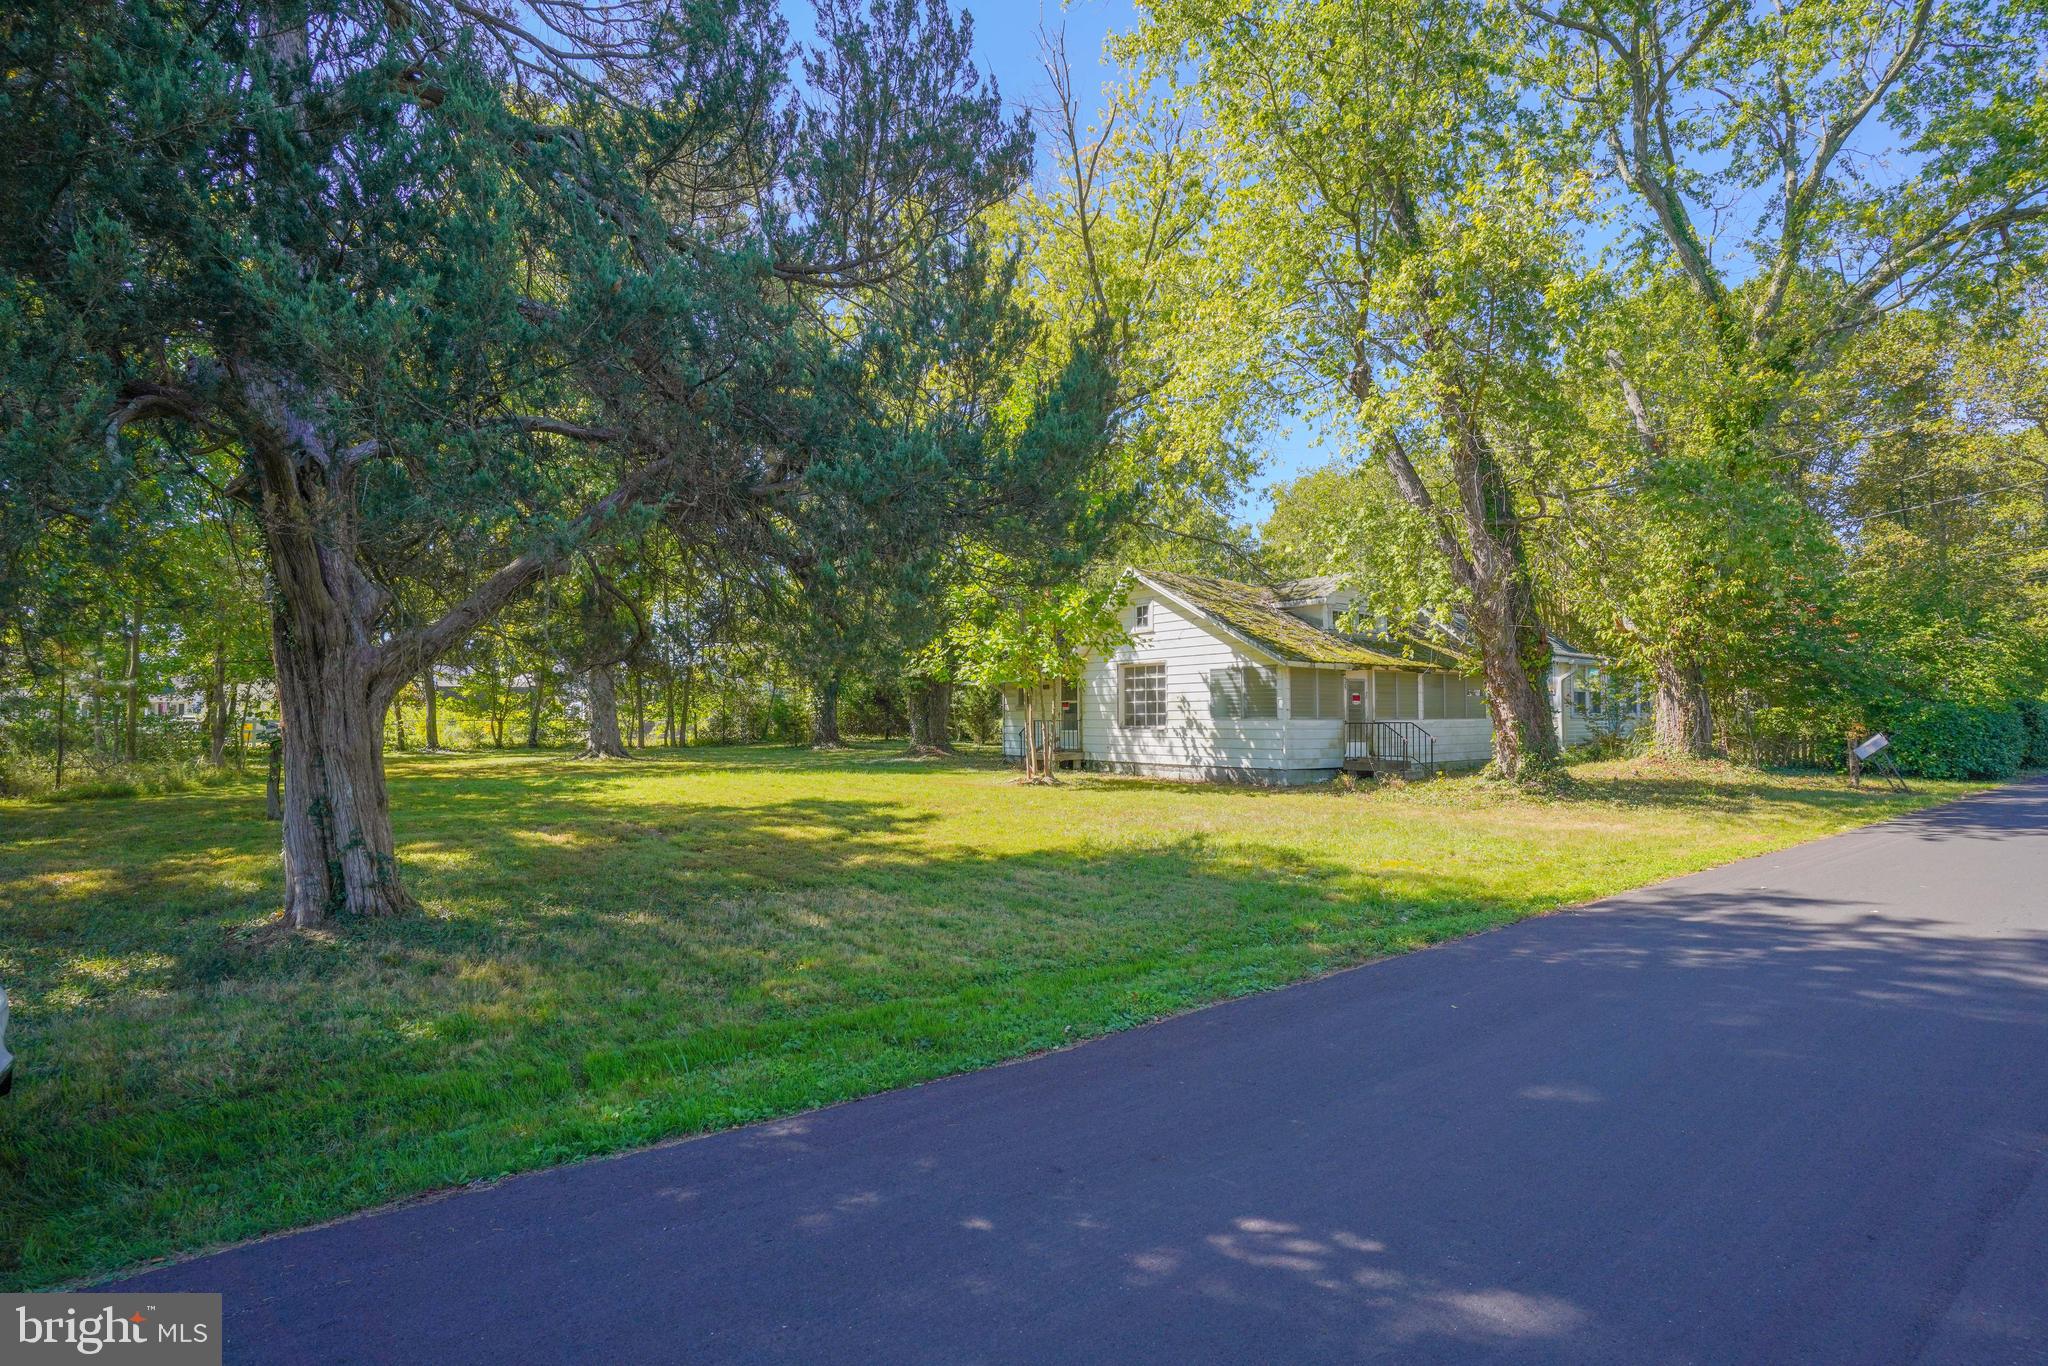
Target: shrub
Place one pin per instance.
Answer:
(2034, 714)
(1609, 745)
(1951, 740)
(784, 720)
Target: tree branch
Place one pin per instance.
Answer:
(406, 654)
(1638, 411)
(551, 426)
(1411, 488)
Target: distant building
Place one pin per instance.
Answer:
(1234, 682)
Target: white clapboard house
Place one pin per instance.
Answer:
(1228, 681)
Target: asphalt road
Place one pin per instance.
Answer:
(1791, 1110)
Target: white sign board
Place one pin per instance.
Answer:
(1872, 745)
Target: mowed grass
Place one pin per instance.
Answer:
(616, 954)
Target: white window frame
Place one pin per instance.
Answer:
(1125, 699)
(1141, 616)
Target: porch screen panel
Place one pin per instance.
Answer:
(1315, 694)
(1395, 695)
(1301, 694)
(1452, 697)
(1243, 692)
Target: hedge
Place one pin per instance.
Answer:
(2035, 715)
(1950, 740)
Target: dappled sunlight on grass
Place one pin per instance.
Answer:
(616, 953)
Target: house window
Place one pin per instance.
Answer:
(1243, 692)
(1396, 696)
(1144, 690)
(1453, 697)
(1315, 694)
(1141, 617)
(1593, 692)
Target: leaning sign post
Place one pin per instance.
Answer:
(1872, 752)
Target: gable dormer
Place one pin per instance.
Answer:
(1320, 601)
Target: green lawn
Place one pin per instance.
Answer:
(619, 954)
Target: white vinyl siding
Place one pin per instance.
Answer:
(1191, 743)
(1144, 695)
(1581, 698)
(1453, 711)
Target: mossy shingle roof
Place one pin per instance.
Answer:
(1255, 613)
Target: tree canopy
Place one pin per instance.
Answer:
(419, 287)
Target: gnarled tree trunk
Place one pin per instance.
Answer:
(1491, 565)
(1489, 561)
(338, 670)
(1513, 655)
(930, 704)
(335, 678)
(339, 857)
(1685, 715)
(601, 716)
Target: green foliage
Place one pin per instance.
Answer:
(1399, 249)
(23, 775)
(1927, 450)
(429, 300)
(1016, 631)
(2034, 715)
(1942, 739)
(1805, 466)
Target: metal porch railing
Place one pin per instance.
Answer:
(1068, 740)
(1389, 746)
